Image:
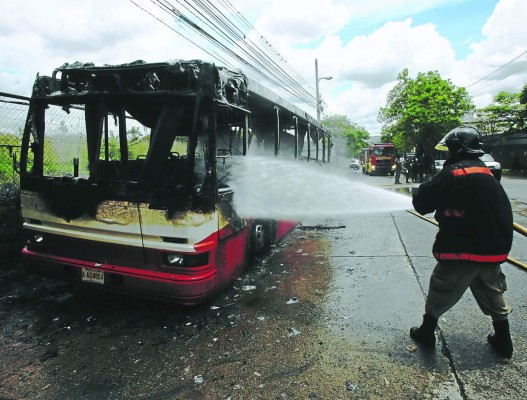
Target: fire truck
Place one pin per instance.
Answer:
(379, 158)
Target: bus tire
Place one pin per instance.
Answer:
(260, 237)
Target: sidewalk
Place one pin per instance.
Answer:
(382, 268)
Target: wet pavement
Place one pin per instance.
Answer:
(324, 315)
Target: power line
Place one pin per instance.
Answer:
(500, 68)
(487, 85)
(216, 56)
(231, 36)
(259, 68)
(217, 21)
(244, 21)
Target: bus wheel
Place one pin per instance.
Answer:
(259, 239)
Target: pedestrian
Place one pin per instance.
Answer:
(408, 169)
(475, 236)
(398, 168)
(415, 170)
(421, 169)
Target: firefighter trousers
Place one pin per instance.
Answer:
(450, 281)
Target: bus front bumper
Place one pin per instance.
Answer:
(181, 289)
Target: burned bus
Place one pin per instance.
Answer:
(122, 183)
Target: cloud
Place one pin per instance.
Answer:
(503, 40)
(383, 11)
(300, 21)
(377, 59)
(370, 64)
(361, 104)
(39, 37)
(505, 28)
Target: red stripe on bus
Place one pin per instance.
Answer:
(211, 241)
(207, 244)
(146, 274)
(471, 257)
(471, 170)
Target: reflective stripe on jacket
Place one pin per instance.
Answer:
(471, 257)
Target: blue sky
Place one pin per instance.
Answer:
(458, 20)
(364, 45)
(461, 23)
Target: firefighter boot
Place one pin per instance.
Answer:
(501, 339)
(425, 334)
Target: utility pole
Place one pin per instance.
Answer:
(317, 80)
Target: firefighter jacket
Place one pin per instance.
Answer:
(473, 212)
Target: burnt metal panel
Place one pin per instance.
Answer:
(257, 89)
(178, 77)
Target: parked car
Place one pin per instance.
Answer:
(438, 165)
(355, 164)
(493, 165)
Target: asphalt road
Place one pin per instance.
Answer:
(324, 315)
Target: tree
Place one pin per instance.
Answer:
(354, 137)
(420, 111)
(138, 142)
(505, 115)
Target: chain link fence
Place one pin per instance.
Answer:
(13, 113)
(65, 139)
(65, 144)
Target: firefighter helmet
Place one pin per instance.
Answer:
(461, 140)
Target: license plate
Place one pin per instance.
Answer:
(93, 276)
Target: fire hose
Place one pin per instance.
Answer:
(517, 227)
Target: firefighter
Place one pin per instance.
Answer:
(415, 170)
(475, 236)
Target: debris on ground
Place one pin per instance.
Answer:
(292, 332)
(351, 386)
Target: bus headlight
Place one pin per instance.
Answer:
(186, 260)
(174, 259)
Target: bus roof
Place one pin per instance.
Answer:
(178, 77)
